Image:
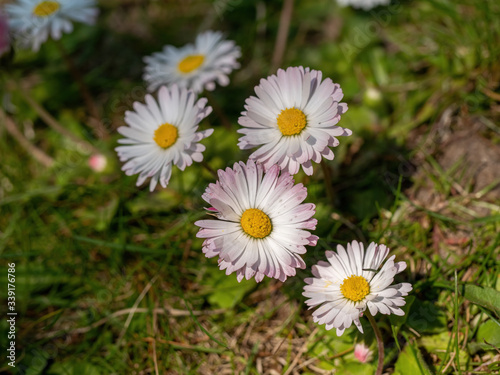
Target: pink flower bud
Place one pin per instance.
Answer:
(97, 162)
(363, 353)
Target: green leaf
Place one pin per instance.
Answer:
(440, 345)
(437, 344)
(356, 368)
(397, 320)
(228, 292)
(487, 337)
(328, 345)
(411, 361)
(487, 297)
(72, 368)
(425, 317)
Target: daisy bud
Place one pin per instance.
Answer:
(363, 353)
(97, 162)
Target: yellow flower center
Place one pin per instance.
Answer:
(46, 8)
(355, 288)
(256, 223)
(165, 135)
(190, 63)
(291, 121)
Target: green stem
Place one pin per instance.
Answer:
(327, 174)
(218, 110)
(205, 165)
(380, 343)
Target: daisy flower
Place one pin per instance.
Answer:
(350, 282)
(195, 67)
(262, 226)
(35, 20)
(363, 4)
(293, 119)
(163, 133)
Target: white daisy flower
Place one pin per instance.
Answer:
(262, 226)
(196, 66)
(33, 20)
(294, 119)
(363, 4)
(162, 134)
(350, 282)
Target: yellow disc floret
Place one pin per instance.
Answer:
(256, 223)
(165, 135)
(190, 63)
(291, 121)
(46, 8)
(355, 288)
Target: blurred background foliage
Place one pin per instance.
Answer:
(111, 278)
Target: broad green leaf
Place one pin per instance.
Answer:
(356, 368)
(484, 296)
(439, 344)
(411, 361)
(328, 346)
(398, 321)
(425, 317)
(228, 291)
(74, 368)
(487, 337)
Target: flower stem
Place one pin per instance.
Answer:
(31, 149)
(209, 168)
(380, 343)
(327, 175)
(284, 27)
(218, 110)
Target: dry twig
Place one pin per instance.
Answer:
(34, 151)
(280, 46)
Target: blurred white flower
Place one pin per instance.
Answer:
(163, 133)
(363, 4)
(350, 282)
(33, 20)
(194, 67)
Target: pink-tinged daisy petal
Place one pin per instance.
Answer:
(302, 111)
(254, 236)
(343, 288)
(153, 144)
